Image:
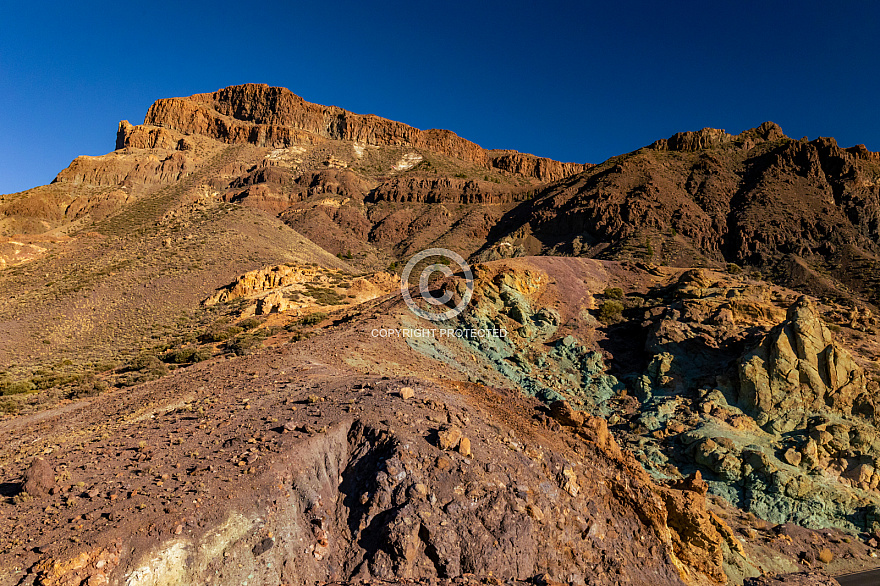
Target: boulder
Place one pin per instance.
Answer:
(448, 437)
(798, 369)
(562, 412)
(39, 478)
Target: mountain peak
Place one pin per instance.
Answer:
(708, 138)
(267, 116)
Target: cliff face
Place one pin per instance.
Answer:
(537, 167)
(120, 169)
(712, 137)
(276, 117)
(446, 190)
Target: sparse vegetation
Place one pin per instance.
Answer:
(187, 355)
(144, 368)
(614, 293)
(89, 385)
(313, 319)
(324, 295)
(246, 343)
(251, 323)
(220, 333)
(610, 311)
(19, 387)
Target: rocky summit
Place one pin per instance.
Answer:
(664, 370)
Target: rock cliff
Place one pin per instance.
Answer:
(276, 117)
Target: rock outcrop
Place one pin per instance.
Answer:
(799, 370)
(540, 168)
(263, 280)
(276, 117)
(447, 190)
(121, 169)
(709, 138)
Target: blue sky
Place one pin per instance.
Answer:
(575, 81)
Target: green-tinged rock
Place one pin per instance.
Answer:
(798, 370)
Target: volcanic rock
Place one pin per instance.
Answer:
(797, 370)
(39, 478)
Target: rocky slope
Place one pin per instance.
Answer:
(804, 211)
(207, 371)
(353, 459)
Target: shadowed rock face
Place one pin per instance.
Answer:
(797, 579)
(799, 370)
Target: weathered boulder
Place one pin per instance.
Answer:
(798, 369)
(39, 478)
(562, 412)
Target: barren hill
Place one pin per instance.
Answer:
(208, 373)
(215, 185)
(805, 212)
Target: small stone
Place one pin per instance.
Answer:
(448, 437)
(535, 513)
(542, 580)
(407, 393)
(569, 481)
(825, 556)
(464, 447)
(793, 457)
(421, 489)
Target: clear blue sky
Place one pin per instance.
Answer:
(576, 81)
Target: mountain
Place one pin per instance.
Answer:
(216, 185)
(800, 211)
(666, 371)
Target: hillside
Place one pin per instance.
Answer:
(801, 212)
(209, 374)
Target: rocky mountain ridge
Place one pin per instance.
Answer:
(275, 117)
(804, 211)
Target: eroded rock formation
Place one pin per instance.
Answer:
(799, 370)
